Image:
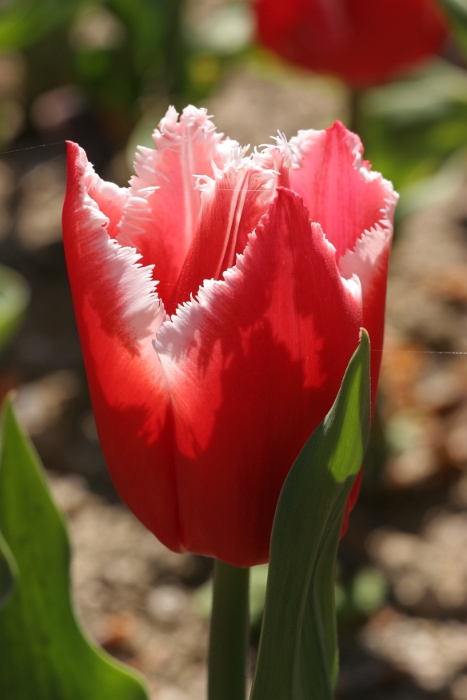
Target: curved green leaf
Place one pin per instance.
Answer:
(14, 297)
(297, 657)
(43, 652)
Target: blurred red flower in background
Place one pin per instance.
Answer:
(206, 384)
(361, 41)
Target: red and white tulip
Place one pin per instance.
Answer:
(219, 299)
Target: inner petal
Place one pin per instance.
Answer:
(338, 189)
(110, 198)
(160, 217)
(232, 204)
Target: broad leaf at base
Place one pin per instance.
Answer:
(44, 654)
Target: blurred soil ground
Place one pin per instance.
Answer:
(406, 636)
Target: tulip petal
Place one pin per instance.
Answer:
(369, 261)
(110, 199)
(232, 205)
(362, 41)
(331, 170)
(160, 217)
(118, 313)
(339, 189)
(281, 327)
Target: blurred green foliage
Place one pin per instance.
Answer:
(365, 593)
(14, 298)
(121, 58)
(415, 132)
(124, 62)
(457, 12)
(116, 52)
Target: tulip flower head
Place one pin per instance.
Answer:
(362, 41)
(219, 299)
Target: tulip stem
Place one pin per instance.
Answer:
(229, 633)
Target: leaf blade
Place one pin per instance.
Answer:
(8, 571)
(298, 651)
(43, 651)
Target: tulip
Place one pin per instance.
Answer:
(219, 299)
(361, 41)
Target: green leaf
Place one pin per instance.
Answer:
(297, 658)
(43, 652)
(14, 297)
(457, 11)
(8, 571)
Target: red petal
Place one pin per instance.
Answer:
(161, 215)
(362, 41)
(231, 208)
(370, 262)
(253, 367)
(360, 227)
(118, 315)
(110, 199)
(339, 191)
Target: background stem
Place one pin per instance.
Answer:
(355, 111)
(229, 633)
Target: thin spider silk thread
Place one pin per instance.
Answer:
(32, 148)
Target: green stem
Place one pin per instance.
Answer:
(229, 634)
(355, 111)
